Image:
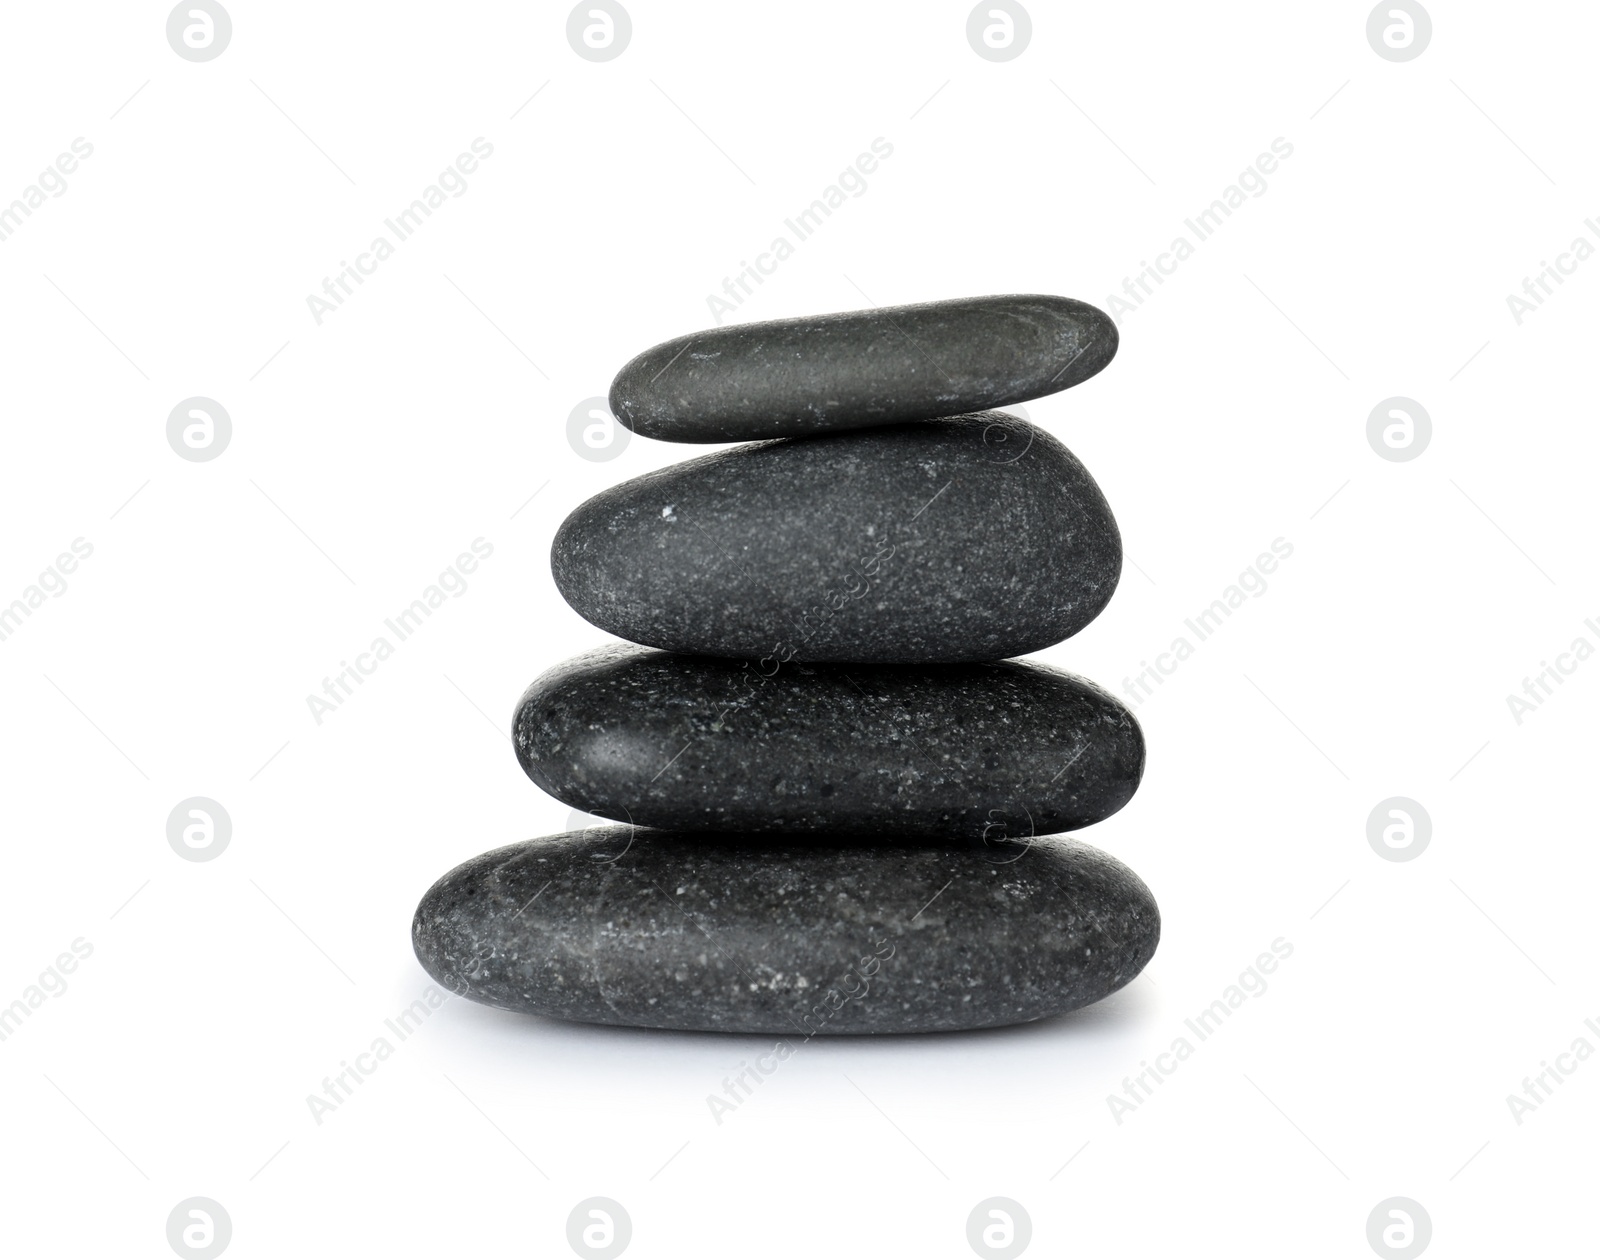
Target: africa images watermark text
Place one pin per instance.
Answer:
(350, 276)
(851, 180)
(1137, 288)
(450, 584)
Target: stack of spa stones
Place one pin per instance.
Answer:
(839, 798)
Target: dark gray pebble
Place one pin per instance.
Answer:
(1007, 749)
(968, 539)
(790, 377)
(736, 934)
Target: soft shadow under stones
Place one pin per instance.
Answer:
(1006, 838)
(999, 850)
(1127, 1010)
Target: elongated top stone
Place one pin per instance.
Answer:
(1005, 750)
(660, 930)
(790, 377)
(966, 539)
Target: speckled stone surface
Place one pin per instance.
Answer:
(1005, 749)
(967, 539)
(732, 934)
(790, 377)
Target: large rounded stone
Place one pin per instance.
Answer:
(739, 934)
(703, 744)
(790, 377)
(969, 539)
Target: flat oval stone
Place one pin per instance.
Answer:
(1007, 749)
(790, 377)
(974, 538)
(733, 934)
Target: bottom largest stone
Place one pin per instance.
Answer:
(651, 929)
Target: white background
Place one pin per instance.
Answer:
(369, 450)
